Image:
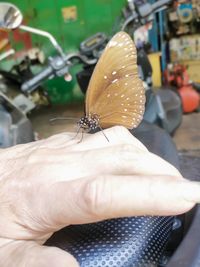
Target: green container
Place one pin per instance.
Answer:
(70, 22)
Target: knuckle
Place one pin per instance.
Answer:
(32, 156)
(125, 149)
(36, 154)
(126, 157)
(97, 196)
(121, 130)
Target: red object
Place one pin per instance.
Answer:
(178, 76)
(190, 98)
(22, 37)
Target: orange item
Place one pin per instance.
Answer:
(190, 98)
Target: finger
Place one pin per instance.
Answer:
(139, 195)
(120, 160)
(124, 159)
(116, 135)
(60, 140)
(21, 253)
(113, 196)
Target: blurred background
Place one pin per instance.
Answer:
(167, 37)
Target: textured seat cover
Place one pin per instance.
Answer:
(124, 242)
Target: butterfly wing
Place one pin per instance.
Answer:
(115, 92)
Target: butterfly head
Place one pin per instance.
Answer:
(90, 122)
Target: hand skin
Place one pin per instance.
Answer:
(49, 184)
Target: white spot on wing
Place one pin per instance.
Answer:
(112, 43)
(114, 81)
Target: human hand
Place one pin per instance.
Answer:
(52, 183)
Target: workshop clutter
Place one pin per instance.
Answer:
(185, 48)
(177, 75)
(184, 17)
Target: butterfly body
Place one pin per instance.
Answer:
(115, 95)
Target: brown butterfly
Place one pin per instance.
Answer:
(115, 95)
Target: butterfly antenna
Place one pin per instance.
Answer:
(51, 121)
(104, 133)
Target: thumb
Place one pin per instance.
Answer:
(28, 253)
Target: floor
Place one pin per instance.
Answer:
(187, 137)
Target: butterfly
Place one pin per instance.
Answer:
(115, 94)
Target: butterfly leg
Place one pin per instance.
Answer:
(104, 134)
(81, 136)
(77, 133)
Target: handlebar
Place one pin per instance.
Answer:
(58, 67)
(33, 83)
(145, 10)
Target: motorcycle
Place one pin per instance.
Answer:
(15, 127)
(125, 242)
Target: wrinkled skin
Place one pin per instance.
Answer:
(49, 184)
